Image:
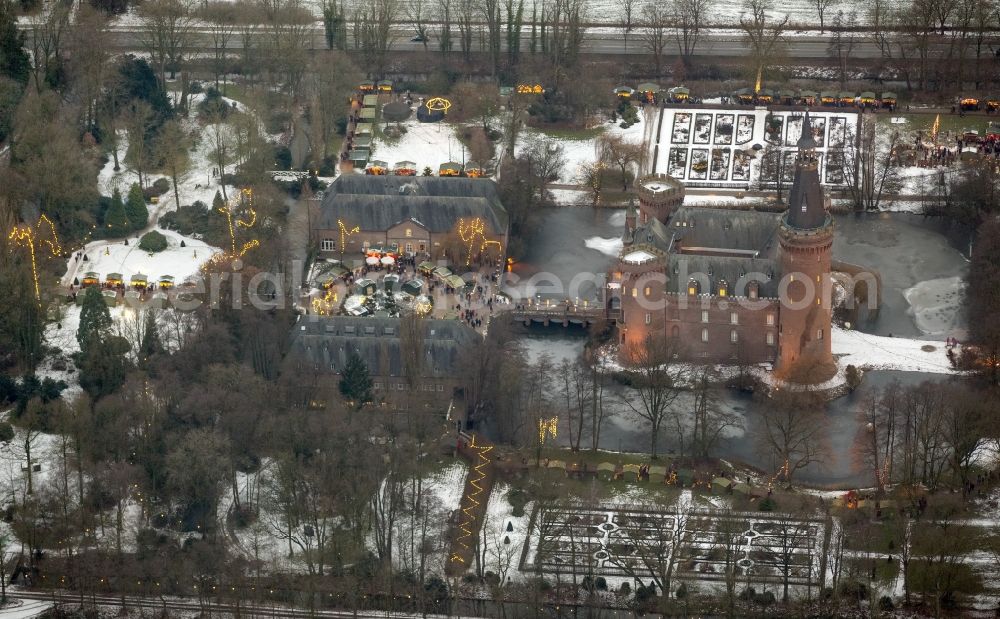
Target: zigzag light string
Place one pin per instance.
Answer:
(475, 230)
(27, 236)
(240, 223)
(472, 503)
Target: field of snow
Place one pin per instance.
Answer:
(889, 353)
(106, 257)
(425, 144)
(738, 166)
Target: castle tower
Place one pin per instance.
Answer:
(659, 196)
(806, 237)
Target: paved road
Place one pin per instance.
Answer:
(724, 43)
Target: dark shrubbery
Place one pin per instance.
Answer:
(153, 242)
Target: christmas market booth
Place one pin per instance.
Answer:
(624, 92)
(139, 281)
(647, 91)
(744, 96)
(786, 97)
(413, 287)
(405, 168)
(110, 298)
(377, 168)
(370, 101)
(362, 141)
(808, 97)
(450, 168)
(992, 103)
(166, 282)
(367, 86)
(358, 157)
(867, 98)
(456, 282)
(474, 170)
(90, 278)
(828, 98)
(113, 280)
(969, 104)
(426, 268)
(367, 114)
(889, 100)
(365, 287)
(384, 86)
(765, 96)
(363, 129)
(846, 97)
(442, 273)
(605, 471)
(679, 94)
(390, 282)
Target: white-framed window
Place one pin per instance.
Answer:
(734, 318)
(769, 339)
(409, 248)
(704, 335)
(753, 290)
(440, 387)
(649, 318)
(819, 334)
(704, 315)
(770, 320)
(328, 245)
(734, 337)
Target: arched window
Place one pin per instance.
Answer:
(693, 287)
(675, 332)
(723, 288)
(753, 289)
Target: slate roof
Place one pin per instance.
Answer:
(736, 272)
(380, 202)
(327, 342)
(693, 228)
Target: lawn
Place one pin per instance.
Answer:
(571, 134)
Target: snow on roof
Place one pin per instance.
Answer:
(638, 257)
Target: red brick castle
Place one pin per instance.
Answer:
(730, 286)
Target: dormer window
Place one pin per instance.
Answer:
(692, 287)
(723, 288)
(752, 290)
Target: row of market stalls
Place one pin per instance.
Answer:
(409, 168)
(115, 281)
(828, 98)
(972, 103)
(651, 92)
(373, 87)
(656, 474)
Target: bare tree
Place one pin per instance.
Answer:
(793, 428)
(138, 119)
(221, 136)
(764, 36)
(868, 169)
(375, 21)
(821, 8)
(709, 420)
(166, 27)
(418, 14)
(689, 17)
(626, 19)
(842, 41)
(655, 35)
(173, 148)
(222, 19)
(650, 545)
(622, 154)
(658, 380)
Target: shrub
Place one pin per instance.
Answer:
(213, 105)
(601, 583)
(853, 377)
(6, 432)
(195, 88)
(767, 505)
(885, 604)
(153, 242)
(517, 499)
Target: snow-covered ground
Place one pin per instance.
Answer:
(692, 147)
(890, 353)
(25, 609)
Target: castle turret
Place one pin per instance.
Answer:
(659, 196)
(806, 236)
(630, 218)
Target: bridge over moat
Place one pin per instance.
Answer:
(564, 314)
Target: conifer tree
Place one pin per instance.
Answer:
(355, 382)
(135, 208)
(95, 319)
(116, 220)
